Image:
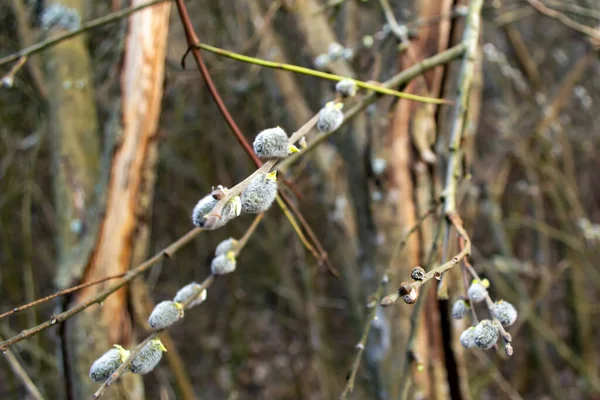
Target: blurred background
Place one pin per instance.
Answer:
(106, 145)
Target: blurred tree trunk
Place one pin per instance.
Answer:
(98, 233)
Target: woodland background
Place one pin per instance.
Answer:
(83, 196)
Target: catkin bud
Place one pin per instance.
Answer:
(321, 61)
(59, 16)
(189, 291)
(330, 117)
(335, 50)
(226, 245)
(223, 264)
(165, 314)
(460, 309)
(108, 363)
(346, 87)
(260, 193)
(273, 143)
(467, 338)
(486, 334)
(206, 204)
(148, 357)
(477, 291)
(505, 312)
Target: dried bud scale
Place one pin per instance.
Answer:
(486, 334)
(346, 87)
(260, 193)
(223, 264)
(330, 117)
(477, 291)
(108, 363)
(467, 338)
(148, 357)
(409, 293)
(417, 273)
(505, 312)
(460, 309)
(273, 143)
(226, 246)
(187, 292)
(165, 314)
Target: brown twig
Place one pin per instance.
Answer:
(167, 252)
(22, 375)
(9, 79)
(376, 298)
(58, 294)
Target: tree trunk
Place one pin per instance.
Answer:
(97, 236)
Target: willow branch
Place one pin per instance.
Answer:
(58, 294)
(319, 74)
(207, 283)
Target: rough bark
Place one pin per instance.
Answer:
(130, 174)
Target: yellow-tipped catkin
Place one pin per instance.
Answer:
(148, 357)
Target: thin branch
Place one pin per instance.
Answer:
(96, 23)
(22, 375)
(9, 79)
(58, 294)
(319, 74)
(167, 252)
(400, 79)
(197, 292)
(562, 18)
(376, 298)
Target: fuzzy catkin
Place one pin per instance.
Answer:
(59, 16)
(477, 292)
(505, 312)
(108, 363)
(165, 314)
(330, 118)
(485, 334)
(226, 246)
(223, 264)
(206, 204)
(189, 290)
(467, 338)
(346, 87)
(273, 143)
(260, 194)
(148, 357)
(459, 309)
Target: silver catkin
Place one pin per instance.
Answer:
(460, 309)
(206, 204)
(260, 193)
(108, 363)
(165, 314)
(330, 117)
(226, 245)
(467, 338)
(189, 290)
(346, 87)
(485, 334)
(477, 292)
(505, 312)
(223, 264)
(273, 143)
(148, 357)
